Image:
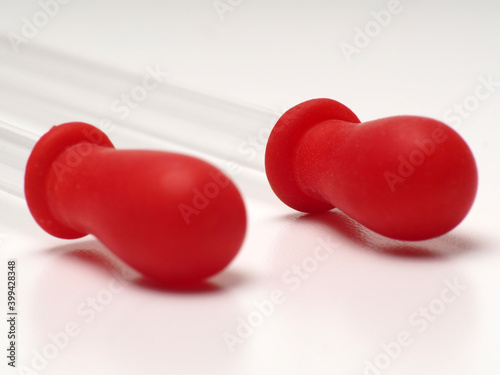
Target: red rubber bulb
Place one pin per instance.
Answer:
(174, 218)
(405, 177)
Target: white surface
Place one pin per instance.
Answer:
(429, 58)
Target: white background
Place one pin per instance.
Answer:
(430, 57)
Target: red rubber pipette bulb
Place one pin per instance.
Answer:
(405, 177)
(174, 218)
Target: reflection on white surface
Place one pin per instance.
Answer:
(339, 306)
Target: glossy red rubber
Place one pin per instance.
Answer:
(174, 218)
(405, 177)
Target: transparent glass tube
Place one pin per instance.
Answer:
(15, 147)
(58, 87)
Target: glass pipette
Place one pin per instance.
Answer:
(55, 85)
